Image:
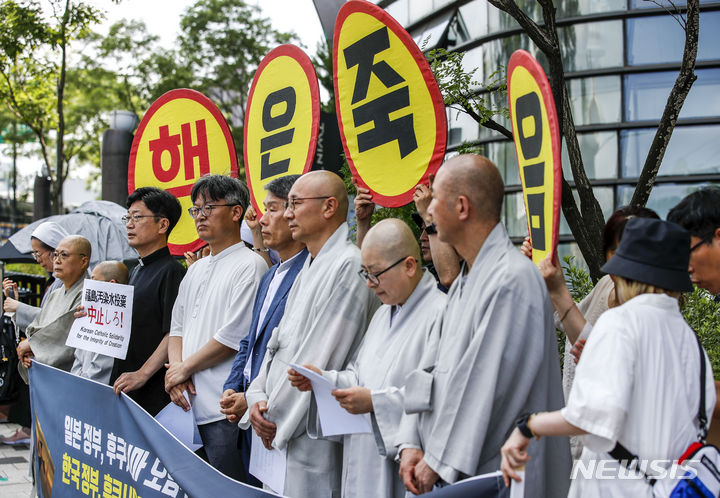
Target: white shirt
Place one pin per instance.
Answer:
(275, 283)
(637, 382)
(215, 301)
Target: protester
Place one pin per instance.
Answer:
(440, 258)
(577, 320)
(47, 333)
(325, 317)
(699, 214)
(636, 348)
(393, 345)
(268, 308)
(89, 364)
(497, 353)
(44, 240)
(152, 215)
(212, 313)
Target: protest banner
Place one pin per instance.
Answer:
(536, 132)
(90, 442)
(282, 120)
(379, 72)
(106, 327)
(181, 137)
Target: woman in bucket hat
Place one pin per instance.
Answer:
(638, 380)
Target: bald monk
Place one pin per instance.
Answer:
(47, 333)
(393, 345)
(89, 364)
(326, 314)
(497, 357)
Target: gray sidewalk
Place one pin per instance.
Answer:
(14, 465)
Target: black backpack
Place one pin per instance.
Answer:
(9, 376)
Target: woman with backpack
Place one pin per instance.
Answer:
(638, 385)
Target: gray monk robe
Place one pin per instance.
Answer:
(390, 350)
(326, 314)
(48, 331)
(497, 359)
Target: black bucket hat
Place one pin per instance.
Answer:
(654, 252)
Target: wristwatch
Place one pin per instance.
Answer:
(524, 428)
(430, 229)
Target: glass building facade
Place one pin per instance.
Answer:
(621, 59)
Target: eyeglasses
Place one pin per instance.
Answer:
(291, 204)
(704, 240)
(207, 209)
(63, 255)
(136, 217)
(373, 277)
(37, 254)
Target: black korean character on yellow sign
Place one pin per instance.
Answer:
(537, 143)
(282, 120)
(390, 110)
(362, 54)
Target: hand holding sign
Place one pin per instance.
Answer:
(103, 325)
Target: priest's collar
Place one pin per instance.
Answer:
(160, 253)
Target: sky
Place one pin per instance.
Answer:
(162, 18)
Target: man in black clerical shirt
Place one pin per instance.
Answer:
(152, 214)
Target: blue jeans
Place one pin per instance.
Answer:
(220, 445)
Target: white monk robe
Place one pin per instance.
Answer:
(327, 312)
(497, 359)
(390, 350)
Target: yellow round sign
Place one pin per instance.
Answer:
(390, 110)
(536, 132)
(282, 119)
(181, 137)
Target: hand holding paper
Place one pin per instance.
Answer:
(334, 419)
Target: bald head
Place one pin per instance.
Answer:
(109, 271)
(79, 244)
(478, 179)
(325, 183)
(394, 239)
(390, 256)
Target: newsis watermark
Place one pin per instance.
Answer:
(612, 469)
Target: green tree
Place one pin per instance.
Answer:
(223, 42)
(34, 74)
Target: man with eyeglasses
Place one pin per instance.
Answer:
(152, 215)
(396, 339)
(699, 214)
(47, 333)
(212, 314)
(325, 317)
(268, 308)
(496, 357)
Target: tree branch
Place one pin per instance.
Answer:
(673, 106)
(535, 32)
(488, 123)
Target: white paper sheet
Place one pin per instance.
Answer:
(269, 466)
(334, 419)
(181, 424)
(517, 489)
(106, 327)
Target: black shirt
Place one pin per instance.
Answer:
(156, 280)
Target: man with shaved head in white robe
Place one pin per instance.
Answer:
(326, 315)
(497, 356)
